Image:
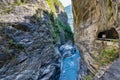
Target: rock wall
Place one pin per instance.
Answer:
(29, 32)
(113, 72)
(90, 18)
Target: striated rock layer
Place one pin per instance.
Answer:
(92, 20)
(29, 32)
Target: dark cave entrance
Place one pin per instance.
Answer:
(108, 34)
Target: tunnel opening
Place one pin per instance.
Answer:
(108, 34)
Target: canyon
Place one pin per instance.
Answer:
(43, 40)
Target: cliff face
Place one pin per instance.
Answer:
(68, 10)
(96, 23)
(29, 31)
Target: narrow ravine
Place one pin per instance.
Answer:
(70, 56)
(72, 65)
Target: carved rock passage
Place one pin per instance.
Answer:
(90, 18)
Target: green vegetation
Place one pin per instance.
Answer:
(67, 30)
(87, 77)
(55, 27)
(7, 50)
(115, 40)
(53, 3)
(107, 56)
(59, 27)
(57, 2)
(5, 9)
(17, 3)
(110, 9)
(17, 46)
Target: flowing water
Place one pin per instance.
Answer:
(72, 66)
(70, 62)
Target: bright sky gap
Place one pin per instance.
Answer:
(66, 2)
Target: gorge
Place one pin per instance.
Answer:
(43, 40)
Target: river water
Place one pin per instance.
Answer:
(70, 62)
(72, 65)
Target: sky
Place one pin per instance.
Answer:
(66, 2)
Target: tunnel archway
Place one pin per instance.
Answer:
(108, 34)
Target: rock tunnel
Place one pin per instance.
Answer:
(108, 34)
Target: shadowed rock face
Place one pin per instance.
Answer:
(29, 31)
(90, 18)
